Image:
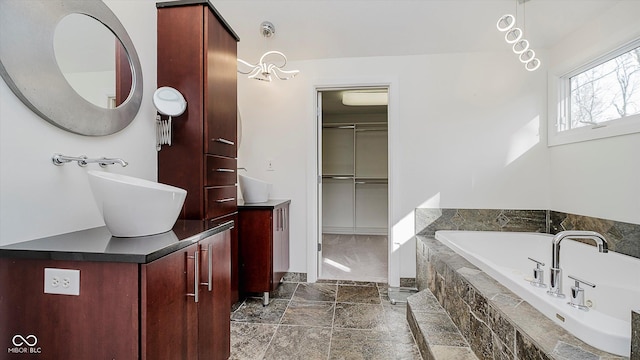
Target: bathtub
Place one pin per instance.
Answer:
(503, 256)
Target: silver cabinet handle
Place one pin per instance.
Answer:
(225, 200)
(279, 222)
(196, 265)
(224, 141)
(226, 170)
(209, 267)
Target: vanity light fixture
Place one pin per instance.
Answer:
(514, 37)
(169, 102)
(264, 70)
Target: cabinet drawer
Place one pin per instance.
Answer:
(220, 200)
(220, 170)
(221, 143)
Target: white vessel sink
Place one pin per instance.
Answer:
(254, 190)
(135, 207)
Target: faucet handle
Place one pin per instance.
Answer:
(578, 281)
(577, 293)
(538, 274)
(538, 263)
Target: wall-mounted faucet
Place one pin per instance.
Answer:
(555, 280)
(83, 160)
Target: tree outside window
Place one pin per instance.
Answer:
(608, 91)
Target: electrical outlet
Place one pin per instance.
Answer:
(61, 281)
(269, 165)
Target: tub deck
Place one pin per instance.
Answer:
(495, 322)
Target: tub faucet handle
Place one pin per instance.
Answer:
(577, 294)
(538, 274)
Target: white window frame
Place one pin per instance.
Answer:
(559, 95)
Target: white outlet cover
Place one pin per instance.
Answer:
(61, 281)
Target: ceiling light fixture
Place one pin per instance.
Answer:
(264, 70)
(364, 98)
(514, 36)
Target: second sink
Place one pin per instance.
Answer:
(254, 190)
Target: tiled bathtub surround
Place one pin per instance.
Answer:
(428, 221)
(623, 237)
(496, 323)
(635, 334)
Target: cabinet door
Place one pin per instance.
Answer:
(213, 305)
(100, 323)
(220, 92)
(235, 259)
(169, 309)
(285, 239)
(255, 243)
(280, 245)
(276, 244)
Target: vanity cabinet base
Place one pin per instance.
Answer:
(124, 310)
(100, 323)
(263, 246)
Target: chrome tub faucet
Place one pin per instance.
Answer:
(555, 280)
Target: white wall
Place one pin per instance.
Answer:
(466, 134)
(597, 178)
(39, 199)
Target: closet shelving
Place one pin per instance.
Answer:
(355, 180)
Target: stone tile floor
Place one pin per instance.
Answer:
(325, 320)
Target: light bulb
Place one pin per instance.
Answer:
(506, 22)
(513, 35)
(520, 46)
(527, 56)
(532, 65)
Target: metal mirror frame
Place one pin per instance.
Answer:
(29, 67)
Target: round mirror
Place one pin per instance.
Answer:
(85, 50)
(39, 72)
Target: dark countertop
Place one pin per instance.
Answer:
(97, 244)
(269, 204)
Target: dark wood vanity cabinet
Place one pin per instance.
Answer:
(197, 52)
(263, 232)
(185, 301)
(124, 310)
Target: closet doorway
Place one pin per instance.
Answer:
(353, 186)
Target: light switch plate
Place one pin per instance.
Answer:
(61, 281)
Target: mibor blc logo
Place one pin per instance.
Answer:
(24, 345)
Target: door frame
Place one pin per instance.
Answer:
(314, 229)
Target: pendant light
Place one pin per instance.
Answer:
(514, 36)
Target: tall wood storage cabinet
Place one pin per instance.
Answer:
(197, 54)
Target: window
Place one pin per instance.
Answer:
(604, 93)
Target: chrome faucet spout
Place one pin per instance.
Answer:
(555, 281)
(106, 161)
